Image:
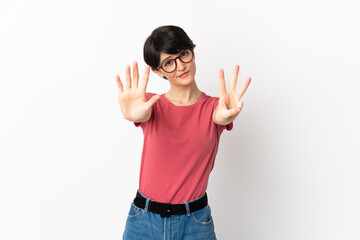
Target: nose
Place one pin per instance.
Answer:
(180, 65)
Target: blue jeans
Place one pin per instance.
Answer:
(142, 224)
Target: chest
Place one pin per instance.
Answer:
(184, 128)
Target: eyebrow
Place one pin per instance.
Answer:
(165, 59)
(170, 57)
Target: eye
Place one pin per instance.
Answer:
(185, 53)
(168, 63)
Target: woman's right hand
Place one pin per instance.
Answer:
(132, 100)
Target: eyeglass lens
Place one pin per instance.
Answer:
(170, 64)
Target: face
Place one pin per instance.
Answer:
(184, 73)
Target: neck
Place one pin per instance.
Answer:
(184, 95)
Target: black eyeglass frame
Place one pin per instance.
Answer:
(192, 56)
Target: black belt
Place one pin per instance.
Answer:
(166, 210)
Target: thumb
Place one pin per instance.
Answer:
(153, 100)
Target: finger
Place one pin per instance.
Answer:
(145, 78)
(234, 111)
(243, 89)
(119, 84)
(228, 113)
(222, 83)
(232, 87)
(135, 74)
(128, 78)
(153, 100)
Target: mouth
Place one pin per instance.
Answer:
(184, 74)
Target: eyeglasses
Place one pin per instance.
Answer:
(169, 65)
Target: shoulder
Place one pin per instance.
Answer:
(210, 100)
(207, 97)
(149, 95)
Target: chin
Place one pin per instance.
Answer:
(188, 81)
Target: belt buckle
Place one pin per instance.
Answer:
(166, 210)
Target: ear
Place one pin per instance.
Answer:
(157, 71)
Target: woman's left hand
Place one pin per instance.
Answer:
(229, 105)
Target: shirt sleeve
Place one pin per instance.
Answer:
(137, 124)
(230, 126)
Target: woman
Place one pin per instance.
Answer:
(182, 130)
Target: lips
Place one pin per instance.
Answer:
(184, 74)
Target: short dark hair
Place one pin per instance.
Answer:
(168, 39)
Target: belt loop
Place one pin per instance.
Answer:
(147, 205)
(187, 208)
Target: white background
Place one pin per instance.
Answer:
(289, 170)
